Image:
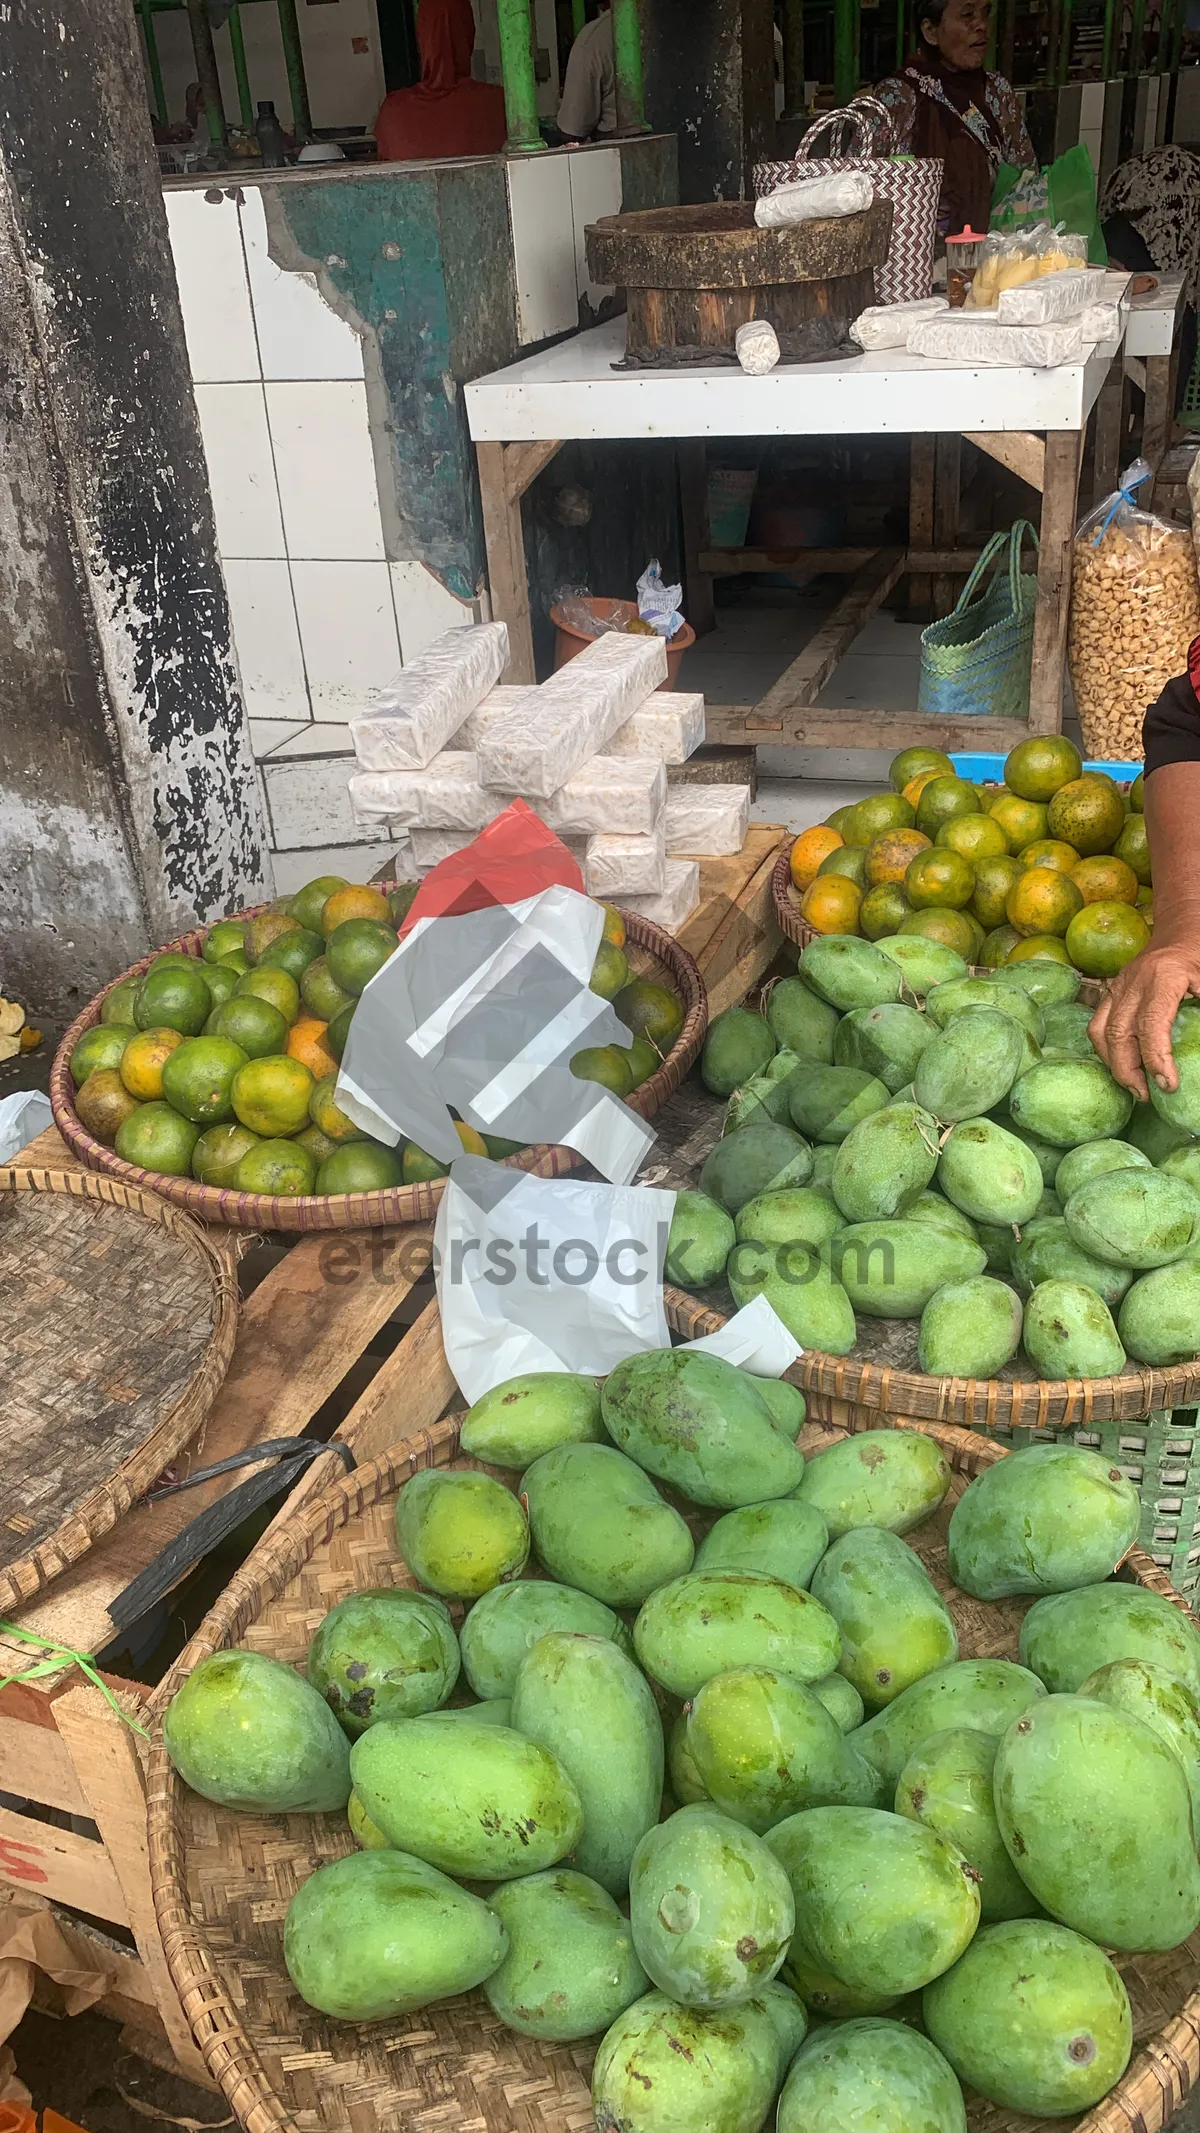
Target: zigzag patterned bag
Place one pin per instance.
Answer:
(913, 184)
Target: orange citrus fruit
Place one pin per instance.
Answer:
(1021, 820)
(918, 763)
(279, 1167)
(614, 931)
(997, 946)
(327, 1114)
(218, 1152)
(889, 857)
(1105, 879)
(198, 1077)
(1104, 937)
(308, 903)
(993, 879)
(1133, 846)
(274, 986)
(942, 799)
(975, 836)
(831, 904)
(850, 860)
(156, 1138)
(355, 902)
(104, 1103)
(362, 1166)
(143, 1060)
(954, 929)
(305, 1041)
(1042, 901)
(1049, 852)
(1036, 768)
(271, 1096)
(939, 879)
(809, 849)
(1088, 813)
(267, 927)
(916, 786)
(882, 910)
(1039, 947)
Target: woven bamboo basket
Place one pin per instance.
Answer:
(222, 1881)
(654, 953)
(120, 1316)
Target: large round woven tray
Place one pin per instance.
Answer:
(222, 1881)
(653, 952)
(120, 1317)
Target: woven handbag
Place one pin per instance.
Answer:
(976, 662)
(913, 184)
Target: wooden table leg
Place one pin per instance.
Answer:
(920, 520)
(1110, 431)
(1064, 450)
(946, 489)
(505, 472)
(693, 504)
(1156, 422)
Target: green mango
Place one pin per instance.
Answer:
(885, 1162)
(760, 1157)
(1049, 1518)
(1153, 1135)
(737, 1045)
(1066, 1636)
(800, 1286)
(882, 1904)
(786, 1403)
(383, 1654)
(828, 1100)
(1046, 1251)
(998, 1240)
(705, 1623)
(1162, 1702)
(1159, 1321)
(1069, 1101)
(710, 1908)
(570, 1969)
(699, 1242)
(849, 973)
(589, 1706)
(1134, 1218)
(969, 993)
(877, 1477)
(986, 1694)
(783, 1540)
(1051, 984)
(970, 1065)
(989, 1173)
(764, 1747)
(1180, 1107)
(800, 1021)
(802, 1216)
(599, 1522)
(765, 1095)
(872, 2076)
(479, 1801)
(379, 1934)
(947, 1785)
(1183, 1162)
(1067, 1028)
(686, 1782)
(363, 1830)
(249, 1732)
(1034, 2018)
(841, 1699)
(1048, 1206)
(663, 2068)
(1096, 1814)
(697, 1422)
(460, 1533)
(514, 1423)
(895, 1625)
(891, 1269)
(493, 1711)
(825, 1995)
(885, 1041)
(923, 963)
(970, 1329)
(1069, 1333)
(934, 1208)
(503, 1627)
(1048, 1158)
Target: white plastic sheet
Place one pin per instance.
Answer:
(609, 794)
(670, 724)
(1052, 297)
(978, 337)
(408, 722)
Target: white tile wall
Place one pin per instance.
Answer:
(539, 206)
(319, 737)
(424, 608)
(241, 471)
(326, 470)
(298, 335)
(348, 631)
(267, 641)
(357, 862)
(267, 734)
(206, 240)
(595, 178)
(309, 802)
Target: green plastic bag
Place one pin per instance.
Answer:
(1064, 194)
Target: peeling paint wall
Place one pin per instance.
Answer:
(710, 79)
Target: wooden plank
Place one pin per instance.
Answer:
(58, 1864)
(1158, 417)
(524, 462)
(859, 729)
(693, 506)
(1109, 432)
(739, 562)
(947, 481)
(1059, 499)
(1023, 453)
(920, 515)
(802, 682)
(746, 939)
(722, 883)
(504, 541)
(34, 1765)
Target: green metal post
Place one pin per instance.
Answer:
(1137, 38)
(1107, 52)
(1064, 44)
(207, 76)
(237, 45)
(578, 16)
(516, 66)
(845, 50)
(793, 57)
(152, 61)
(627, 61)
(289, 30)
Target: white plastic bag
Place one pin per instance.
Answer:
(22, 1118)
(659, 604)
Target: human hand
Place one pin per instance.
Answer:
(1131, 1028)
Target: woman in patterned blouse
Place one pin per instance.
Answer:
(946, 104)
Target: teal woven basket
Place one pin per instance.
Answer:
(976, 662)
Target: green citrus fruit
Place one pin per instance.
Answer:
(252, 1023)
(643, 1062)
(615, 932)
(993, 879)
(418, 1167)
(271, 1096)
(838, 819)
(1050, 852)
(401, 900)
(880, 811)
(942, 800)
(156, 1138)
(172, 959)
(882, 910)
(1137, 794)
(362, 1166)
(274, 986)
(218, 1152)
(939, 880)
(975, 836)
(1042, 901)
(104, 1103)
(174, 998)
(914, 762)
(319, 993)
(221, 982)
(610, 971)
(605, 1063)
(1133, 846)
(1036, 768)
(279, 1167)
(650, 1010)
(1039, 947)
(317, 1143)
(99, 1048)
(954, 929)
(1105, 879)
(328, 1117)
(1088, 813)
(223, 939)
(998, 945)
(308, 903)
(264, 929)
(499, 1149)
(1021, 820)
(339, 1030)
(1102, 938)
(198, 1078)
(238, 962)
(292, 952)
(849, 860)
(119, 1003)
(356, 950)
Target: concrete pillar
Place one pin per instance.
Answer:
(128, 803)
(710, 79)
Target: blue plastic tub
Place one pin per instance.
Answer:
(981, 769)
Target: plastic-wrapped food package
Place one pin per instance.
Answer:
(845, 192)
(757, 344)
(669, 726)
(677, 900)
(544, 739)
(707, 821)
(1011, 258)
(627, 866)
(963, 337)
(1099, 323)
(611, 793)
(408, 722)
(887, 325)
(1135, 608)
(1052, 297)
(430, 847)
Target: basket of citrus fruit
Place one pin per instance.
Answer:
(208, 1072)
(1054, 863)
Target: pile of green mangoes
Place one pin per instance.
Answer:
(853, 1815)
(908, 1141)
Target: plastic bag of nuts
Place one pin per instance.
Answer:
(1135, 608)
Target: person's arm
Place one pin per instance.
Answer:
(1131, 1029)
